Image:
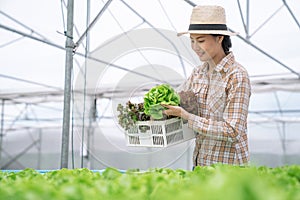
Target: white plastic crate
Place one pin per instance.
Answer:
(158, 133)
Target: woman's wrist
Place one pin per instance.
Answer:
(185, 114)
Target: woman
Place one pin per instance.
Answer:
(222, 89)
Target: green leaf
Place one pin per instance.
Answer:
(161, 94)
(156, 111)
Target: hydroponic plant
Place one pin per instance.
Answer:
(150, 109)
(208, 183)
(161, 94)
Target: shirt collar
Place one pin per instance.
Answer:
(225, 63)
(205, 67)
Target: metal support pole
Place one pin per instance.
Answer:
(283, 130)
(90, 131)
(87, 51)
(2, 124)
(190, 2)
(291, 12)
(247, 19)
(93, 22)
(67, 91)
(39, 147)
(268, 55)
(283, 143)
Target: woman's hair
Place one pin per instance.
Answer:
(226, 43)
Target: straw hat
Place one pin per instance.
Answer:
(208, 19)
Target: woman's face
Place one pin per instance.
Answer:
(207, 47)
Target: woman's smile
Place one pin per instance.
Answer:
(200, 53)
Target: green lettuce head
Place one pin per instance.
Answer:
(161, 94)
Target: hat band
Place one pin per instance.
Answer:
(208, 27)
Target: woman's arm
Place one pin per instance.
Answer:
(235, 114)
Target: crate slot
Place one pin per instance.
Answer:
(144, 128)
(173, 126)
(158, 140)
(133, 130)
(134, 140)
(175, 137)
(157, 129)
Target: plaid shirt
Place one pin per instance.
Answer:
(221, 122)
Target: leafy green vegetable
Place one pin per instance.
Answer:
(224, 182)
(161, 94)
(130, 114)
(156, 111)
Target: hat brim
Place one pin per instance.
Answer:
(220, 32)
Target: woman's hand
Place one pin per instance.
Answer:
(176, 111)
